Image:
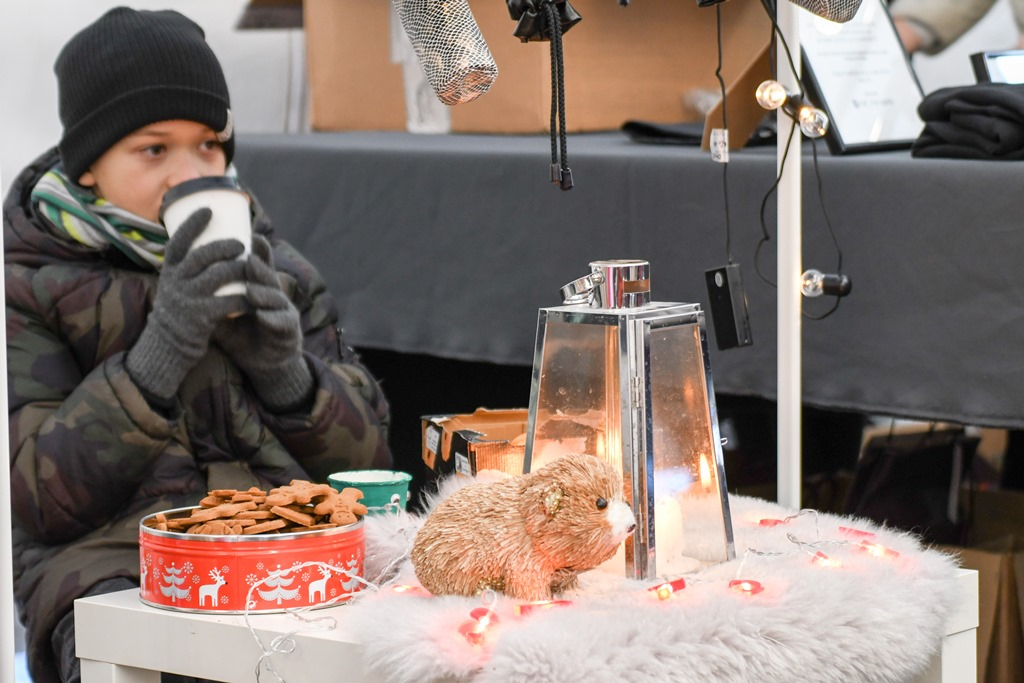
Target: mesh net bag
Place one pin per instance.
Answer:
(449, 45)
(834, 10)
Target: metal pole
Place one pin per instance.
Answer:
(6, 549)
(789, 270)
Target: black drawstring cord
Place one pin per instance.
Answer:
(560, 171)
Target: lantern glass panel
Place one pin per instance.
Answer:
(578, 406)
(688, 499)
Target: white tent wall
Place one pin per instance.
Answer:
(264, 68)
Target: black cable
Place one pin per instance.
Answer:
(769, 7)
(764, 204)
(831, 231)
(824, 212)
(772, 54)
(725, 126)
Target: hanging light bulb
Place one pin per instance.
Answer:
(813, 121)
(772, 95)
(814, 283)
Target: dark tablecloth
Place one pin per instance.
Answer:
(448, 245)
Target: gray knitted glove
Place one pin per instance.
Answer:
(267, 343)
(185, 311)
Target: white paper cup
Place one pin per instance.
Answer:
(231, 217)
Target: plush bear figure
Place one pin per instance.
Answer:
(527, 536)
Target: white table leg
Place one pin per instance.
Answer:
(104, 672)
(960, 657)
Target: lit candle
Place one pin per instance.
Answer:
(539, 605)
(746, 587)
(665, 590)
(823, 560)
(668, 529)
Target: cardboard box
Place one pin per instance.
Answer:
(653, 60)
(468, 444)
(353, 85)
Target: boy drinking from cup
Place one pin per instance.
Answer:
(135, 384)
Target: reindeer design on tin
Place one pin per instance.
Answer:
(320, 585)
(209, 590)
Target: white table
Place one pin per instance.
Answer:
(121, 640)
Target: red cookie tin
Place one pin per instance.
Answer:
(275, 572)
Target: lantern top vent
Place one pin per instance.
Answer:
(616, 283)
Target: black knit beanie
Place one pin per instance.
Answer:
(132, 68)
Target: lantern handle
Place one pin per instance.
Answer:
(581, 290)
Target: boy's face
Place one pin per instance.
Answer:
(135, 173)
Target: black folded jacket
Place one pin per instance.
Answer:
(983, 121)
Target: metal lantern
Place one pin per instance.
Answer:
(629, 380)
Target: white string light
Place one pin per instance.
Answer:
(284, 643)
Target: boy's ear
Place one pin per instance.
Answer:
(87, 179)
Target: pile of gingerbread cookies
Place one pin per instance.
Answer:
(299, 506)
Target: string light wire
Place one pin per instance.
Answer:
(776, 33)
(284, 643)
(725, 127)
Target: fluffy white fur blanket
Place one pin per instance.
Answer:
(876, 619)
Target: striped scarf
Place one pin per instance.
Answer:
(77, 212)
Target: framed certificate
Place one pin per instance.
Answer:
(859, 73)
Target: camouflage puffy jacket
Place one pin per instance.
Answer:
(90, 457)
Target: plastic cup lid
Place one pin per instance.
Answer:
(213, 182)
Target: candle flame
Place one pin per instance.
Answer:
(705, 472)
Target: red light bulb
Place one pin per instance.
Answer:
(665, 590)
(746, 587)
